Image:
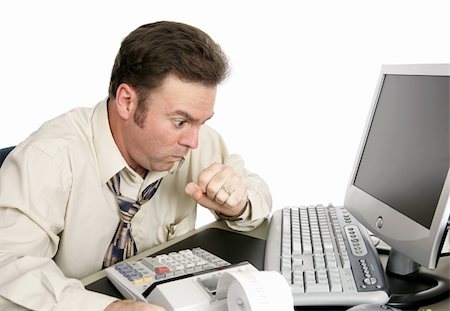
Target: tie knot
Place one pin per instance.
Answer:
(129, 207)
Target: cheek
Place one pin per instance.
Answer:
(159, 136)
(160, 140)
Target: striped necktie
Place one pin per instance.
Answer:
(123, 245)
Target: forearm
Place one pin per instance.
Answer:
(38, 283)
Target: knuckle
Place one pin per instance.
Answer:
(203, 179)
(214, 187)
(210, 193)
(232, 202)
(228, 169)
(221, 202)
(216, 165)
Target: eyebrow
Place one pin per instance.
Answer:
(190, 118)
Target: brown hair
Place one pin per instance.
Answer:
(152, 51)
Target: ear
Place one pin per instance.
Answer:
(126, 101)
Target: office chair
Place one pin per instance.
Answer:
(4, 153)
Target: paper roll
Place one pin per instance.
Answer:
(256, 291)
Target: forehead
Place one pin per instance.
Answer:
(175, 95)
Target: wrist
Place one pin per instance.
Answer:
(238, 215)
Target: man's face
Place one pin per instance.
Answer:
(176, 111)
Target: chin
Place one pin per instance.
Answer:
(162, 167)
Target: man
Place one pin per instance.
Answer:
(145, 145)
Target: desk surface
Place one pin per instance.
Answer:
(259, 233)
(220, 242)
(253, 252)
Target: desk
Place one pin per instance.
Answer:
(215, 237)
(254, 253)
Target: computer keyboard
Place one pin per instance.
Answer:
(134, 278)
(326, 257)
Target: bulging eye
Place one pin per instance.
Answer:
(179, 122)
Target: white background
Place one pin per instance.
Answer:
(294, 107)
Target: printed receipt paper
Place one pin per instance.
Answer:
(255, 291)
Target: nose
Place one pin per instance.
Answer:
(189, 137)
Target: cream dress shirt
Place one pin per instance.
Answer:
(58, 216)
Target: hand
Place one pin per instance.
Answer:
(219, 188)
(131, 305)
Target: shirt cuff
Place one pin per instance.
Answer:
(242, 215)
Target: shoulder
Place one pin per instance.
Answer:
(58, 137)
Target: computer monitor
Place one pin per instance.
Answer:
(400, 184)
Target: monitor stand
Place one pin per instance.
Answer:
(413, 287)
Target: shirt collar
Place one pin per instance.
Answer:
(109, 159)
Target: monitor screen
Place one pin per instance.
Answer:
(400, 184)
(407, 152)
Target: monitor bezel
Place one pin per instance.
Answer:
(419, 243)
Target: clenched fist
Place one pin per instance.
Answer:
(219, 188)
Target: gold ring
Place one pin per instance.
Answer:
(226, 190)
